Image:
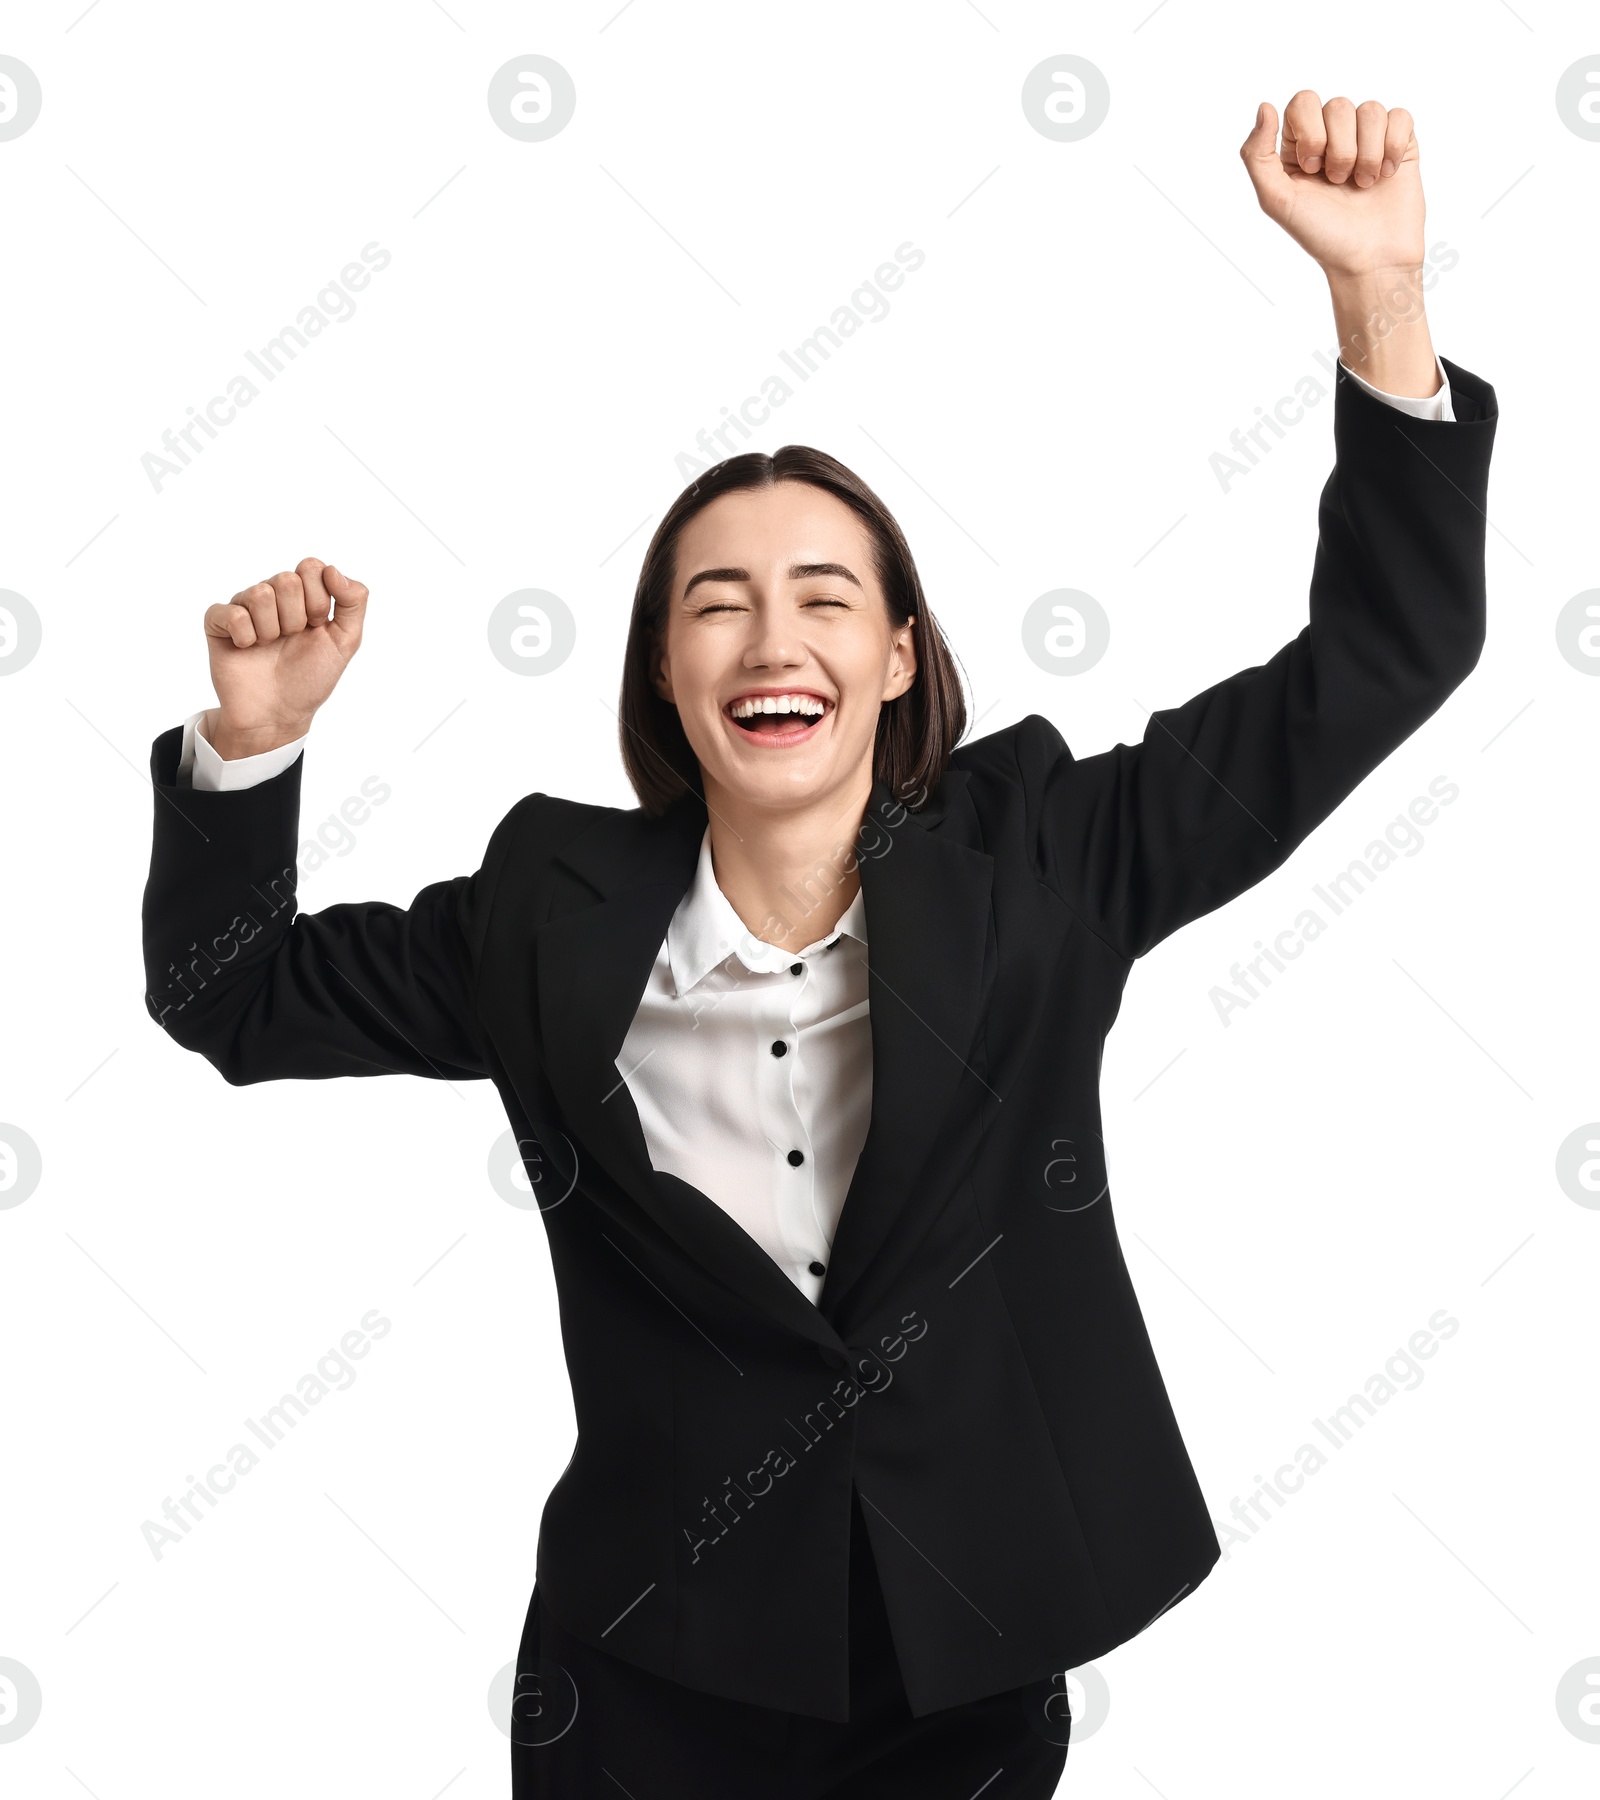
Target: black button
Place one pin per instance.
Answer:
(796, 1157)
(797, 968)
(779, 1047)
(817, 1269)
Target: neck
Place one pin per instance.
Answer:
(789, 875)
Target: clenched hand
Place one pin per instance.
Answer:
(277, 651)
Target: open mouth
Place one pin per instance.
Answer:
(782, 718)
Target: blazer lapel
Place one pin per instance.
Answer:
(928, 934)
(565, 995)
(591, 967)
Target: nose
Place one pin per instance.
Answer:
(774, 643)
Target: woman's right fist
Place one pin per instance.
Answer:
(277, 652)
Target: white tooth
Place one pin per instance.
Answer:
(768, 704)
(786, 703)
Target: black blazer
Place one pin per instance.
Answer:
(977, 1365)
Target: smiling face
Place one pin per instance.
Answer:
(778, 650)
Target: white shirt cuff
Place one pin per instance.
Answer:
(1431, 406)
(200, 767)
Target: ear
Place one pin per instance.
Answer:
(660, 674)
(902, 659)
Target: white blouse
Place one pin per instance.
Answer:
(751, 1067)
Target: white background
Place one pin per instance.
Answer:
(1297, 1192)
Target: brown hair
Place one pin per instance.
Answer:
(916, 732)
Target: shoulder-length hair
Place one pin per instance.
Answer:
(916, 732)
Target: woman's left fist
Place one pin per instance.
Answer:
(1346, 184)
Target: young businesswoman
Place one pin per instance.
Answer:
(872, 1446)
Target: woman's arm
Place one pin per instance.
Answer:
(1220, 790)
(264, 992)
(232, 970)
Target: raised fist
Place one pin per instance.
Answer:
(1346, 183)
(277, 652)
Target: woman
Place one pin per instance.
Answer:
(803, 1058)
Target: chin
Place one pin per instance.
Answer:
(778, 780)
(779, 787)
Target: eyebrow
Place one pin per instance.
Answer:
(797, 572)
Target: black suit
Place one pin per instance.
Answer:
(977, 1366)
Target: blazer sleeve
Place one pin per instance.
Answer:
(1142, 838)
(265, 992)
